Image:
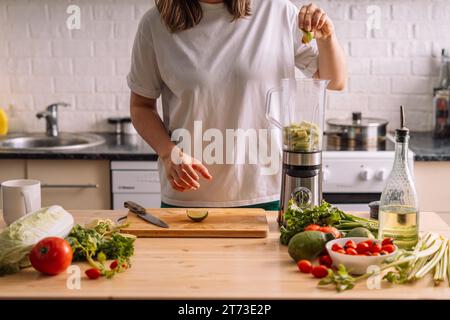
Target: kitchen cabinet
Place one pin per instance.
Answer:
(73, 184)
(11, 169)
(433, 185)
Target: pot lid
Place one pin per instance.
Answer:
(357, 121)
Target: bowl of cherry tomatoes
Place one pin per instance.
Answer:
(357, 254)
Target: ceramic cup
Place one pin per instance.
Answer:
(20, 197)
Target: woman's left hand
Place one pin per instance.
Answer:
(313, 19)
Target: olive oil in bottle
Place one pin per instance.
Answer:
(399, 209)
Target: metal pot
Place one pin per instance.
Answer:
(357, 131)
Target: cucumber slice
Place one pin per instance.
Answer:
(197, 215)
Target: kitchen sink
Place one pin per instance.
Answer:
(41, 142)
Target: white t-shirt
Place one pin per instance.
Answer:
(219, 73)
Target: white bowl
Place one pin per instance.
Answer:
(356, 264)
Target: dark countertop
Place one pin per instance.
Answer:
(426, 148)
(125, 147)
(128, 147)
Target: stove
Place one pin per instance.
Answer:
(354, 175)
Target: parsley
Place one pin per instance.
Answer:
(101, 240)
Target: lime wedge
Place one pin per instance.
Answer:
(307, 36)
(197, 215)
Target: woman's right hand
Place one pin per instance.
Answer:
(183, 171)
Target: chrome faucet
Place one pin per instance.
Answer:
(51, 118)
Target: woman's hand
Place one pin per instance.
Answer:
(182, 170)
(315, 20)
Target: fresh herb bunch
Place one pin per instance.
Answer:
(325, 214)
(101, 240)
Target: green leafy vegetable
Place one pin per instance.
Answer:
(297, 218)
(17, 239)
(102, 240)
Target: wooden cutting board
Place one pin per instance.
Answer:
(220, 223)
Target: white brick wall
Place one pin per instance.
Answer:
(41, 61)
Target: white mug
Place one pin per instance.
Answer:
(20, 197)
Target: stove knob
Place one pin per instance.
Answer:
(325, 174)
(366, 174)
(381, 175)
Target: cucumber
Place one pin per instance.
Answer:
(308, 244)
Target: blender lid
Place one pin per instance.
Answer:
(357, 121)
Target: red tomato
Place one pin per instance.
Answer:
(375, 253)
(336, 247)
(383, 252)
(368, 253)
(351, 251)
(375, 248)
(93, 273)
(325, 260)
(331, 230)
(362, 247)
(350, 244)
(341, 251)
(114, 264)
(320, 271)
(51, 255)
(387, 241)
(304, 266)
(369, 242)
(312, 227)
(389, 248)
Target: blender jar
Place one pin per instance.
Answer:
(297, 107)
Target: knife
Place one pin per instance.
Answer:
(142, 213)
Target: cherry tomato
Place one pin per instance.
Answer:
(336, 247)
(320, 271)
(304, 266)
(375, 248)
(93, 273)
(383, 252)
(331, 230)
(369, 242)
(350, 244)
(312, 227)
(389, 248)
(51, 255)
(362, 247)
(368, 253)
(375, 253)
(341, 251)
(114, 264)
(325, 260)
(387, 241)
(351, 251)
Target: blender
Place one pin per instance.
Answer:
(297, 107)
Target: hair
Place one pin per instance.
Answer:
(179, 15)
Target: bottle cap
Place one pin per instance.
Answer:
(374, 209)
(402, 133)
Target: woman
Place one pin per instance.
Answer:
(212, 62)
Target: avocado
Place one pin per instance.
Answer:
(308, 244)
(360, 232)
(197, 215)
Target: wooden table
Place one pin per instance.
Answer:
(178, 268)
